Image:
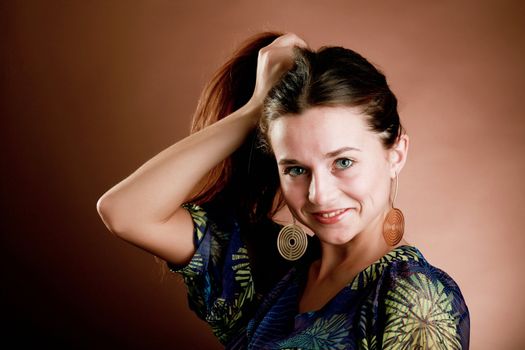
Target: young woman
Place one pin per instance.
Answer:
(318, 131)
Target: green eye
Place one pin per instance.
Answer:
(294, 171)
(343, 163)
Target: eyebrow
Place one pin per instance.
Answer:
(341, 150)
(331, 154)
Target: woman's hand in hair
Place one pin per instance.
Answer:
(273, 61)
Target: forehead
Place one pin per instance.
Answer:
(320, 130)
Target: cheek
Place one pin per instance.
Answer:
(293, 191)
(358, 188)
(367, 185)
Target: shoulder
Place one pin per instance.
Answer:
(417, 274)
(421, 301)
(413, 267)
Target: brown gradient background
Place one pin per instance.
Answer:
(90, 90)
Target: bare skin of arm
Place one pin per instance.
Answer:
(145, 208)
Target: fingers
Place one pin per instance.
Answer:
(280, 51)
(289, 39)
(273, 61)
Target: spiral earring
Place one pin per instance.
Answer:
(394, 224)
(292, 242)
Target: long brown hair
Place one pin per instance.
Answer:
(248, 179)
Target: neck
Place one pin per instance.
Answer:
(360, 252)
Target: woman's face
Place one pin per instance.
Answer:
(335, 173)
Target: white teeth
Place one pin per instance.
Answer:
(332, 214)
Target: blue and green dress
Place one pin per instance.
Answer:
(398, 302)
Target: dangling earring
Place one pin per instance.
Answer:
(394, 225)
(292, 242)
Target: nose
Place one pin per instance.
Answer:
(321, 189)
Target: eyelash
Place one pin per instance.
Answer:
(289, 170)
(348, 159)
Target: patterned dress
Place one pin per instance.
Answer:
(398, 302)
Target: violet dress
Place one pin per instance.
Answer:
(398, 302)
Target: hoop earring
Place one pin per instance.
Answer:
(292, 242)
(394, 224)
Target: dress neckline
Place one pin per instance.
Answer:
(363, 278)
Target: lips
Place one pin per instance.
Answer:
(331, 216)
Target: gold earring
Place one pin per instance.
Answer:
(394, 224)
(292, 242)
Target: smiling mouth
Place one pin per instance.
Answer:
(330, 217)
(331, 214)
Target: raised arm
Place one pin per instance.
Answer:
(145, 208)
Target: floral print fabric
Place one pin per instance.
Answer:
(398, 302)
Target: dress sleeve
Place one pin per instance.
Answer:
(423, 308)
(218, 276)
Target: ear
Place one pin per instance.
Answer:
(398, 155)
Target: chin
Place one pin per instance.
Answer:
(335, 238)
